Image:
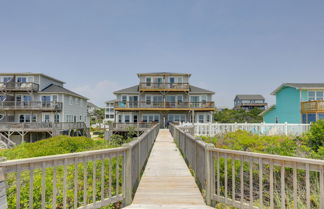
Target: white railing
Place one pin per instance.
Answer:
(252, 180)
(91, 179)
(268, 129)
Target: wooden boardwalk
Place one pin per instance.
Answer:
(167, 182)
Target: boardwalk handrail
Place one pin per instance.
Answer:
(127, 161)
(213, 129)
(252, 180)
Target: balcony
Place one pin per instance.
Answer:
(312, 106)
(17, 86)
(165, 106)
(41, 126)
(164, 87)
(32, 105)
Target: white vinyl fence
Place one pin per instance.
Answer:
(268, 129)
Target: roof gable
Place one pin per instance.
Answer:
(52, 88)
(299, 86)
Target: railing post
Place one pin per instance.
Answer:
(208, 173)
(128, 175)
(286, 128)
(3, 188)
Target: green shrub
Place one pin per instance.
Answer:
(118, 140)
(53, 146)
(315, 136)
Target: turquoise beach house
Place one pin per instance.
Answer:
(296, 103)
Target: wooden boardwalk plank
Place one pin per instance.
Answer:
(167, 182)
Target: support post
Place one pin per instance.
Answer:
(3, 188)
(286, 128)
(128, 176)
(209, 172)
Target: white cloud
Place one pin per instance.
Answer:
(98, 92)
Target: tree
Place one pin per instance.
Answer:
(238, 116)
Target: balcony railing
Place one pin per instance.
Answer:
(19, 86)
(184, 105)
(41, 126)
(312, 106)
(126, 126)
(165, 86)
(30, 105)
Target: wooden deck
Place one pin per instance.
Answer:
(167, 182)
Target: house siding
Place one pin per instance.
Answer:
(287, 107)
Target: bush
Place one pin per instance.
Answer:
(118, 140)
(53, 146)
(315, 137)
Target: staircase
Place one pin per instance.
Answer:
(5, 142)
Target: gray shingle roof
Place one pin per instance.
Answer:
(132, 89)
(249, 96)
(300, 86)
(195, 89)
(111, 101)
(52, 88)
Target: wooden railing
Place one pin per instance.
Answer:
(252, 180)
(91, 179)
(42, 125)
(30, 105)
(186, 105)
(19, 86)
(312, 106)
(125, 126)
(169, 86)
(268, 129)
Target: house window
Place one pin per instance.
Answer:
(46, 118)
(1, 116)
(311, 95)
(176, 118)
(34, 118)
(148, 100)
(179, 99)
(315, 95)
(320, 116)
(135, 118)
(21, 118)
(21, 79)
(124, 99)
(180, 81)
(208, 118)
(46, 99)
(311, 117)
(319, 95)
(304, 118)
(7, 79)
(148, 81)
(54, 98)
(127, 118)
(204, 98)
(201, 118)
(2, 98)
(119, 118)
(56, 118)
(151, 118)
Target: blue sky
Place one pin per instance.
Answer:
(230, 47)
